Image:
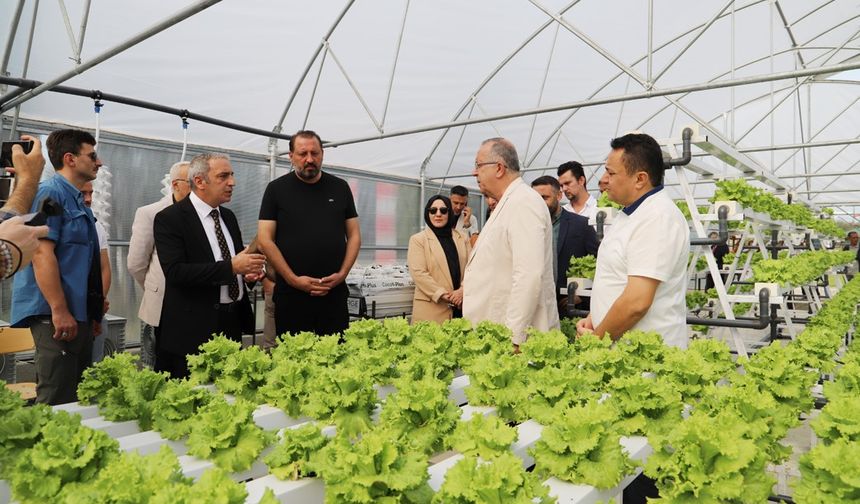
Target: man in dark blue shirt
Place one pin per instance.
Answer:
(57, 297)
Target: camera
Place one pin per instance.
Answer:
(5, 162)
(6, 152)
(47, 208)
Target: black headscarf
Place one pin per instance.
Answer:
(445, 238)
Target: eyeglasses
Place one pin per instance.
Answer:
(442, 210)
(180, 180)
(478, 165)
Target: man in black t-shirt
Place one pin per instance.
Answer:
(309, 231)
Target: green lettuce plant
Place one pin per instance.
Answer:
(420, 414)
(582, 267)
(66, 453)
(244, 373)
(286, 386)
(500, 479)
(582, 446)
(485, 436)
(344, 395)
(208, 363)
(499, 379)
(710, 459)
(290, 458)
(374, 468)
(176, 406)
(226, 434)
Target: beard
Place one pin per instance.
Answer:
(309, 172)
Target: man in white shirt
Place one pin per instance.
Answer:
(467, 223)
(508, 277)
(571, 176)
(143, 262)
(641, 276)
(98, 333)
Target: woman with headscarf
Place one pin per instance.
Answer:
(437, 259)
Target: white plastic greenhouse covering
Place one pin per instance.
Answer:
(363, 72)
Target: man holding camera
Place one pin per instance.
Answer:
(18, 241)
(60, 295)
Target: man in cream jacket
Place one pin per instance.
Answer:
(143, 261)
(509, 277)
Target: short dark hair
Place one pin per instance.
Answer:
(547, 180)
(641, 153)
(503, 149)
(851, 233)
(459, 191)
(66, 140)
(304, 134)
(574, 167)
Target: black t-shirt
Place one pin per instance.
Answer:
(311, 222)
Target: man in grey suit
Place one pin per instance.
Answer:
(143, 261)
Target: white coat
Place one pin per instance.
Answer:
(509, 277)
(143, 261)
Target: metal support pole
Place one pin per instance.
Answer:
(774, 254)
(423, 181)
(571, 310)
(763, 318)
(90, 93)
(642, 95)
(140, 37)
(13, 29)
(273, 156)
(82, 31)
(322, 45)
(394, 65)
(722, 222)
(600, 219)
(650, 54)
(13, 131)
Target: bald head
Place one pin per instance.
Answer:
(496, 166)
(504, 150)
(180, 186)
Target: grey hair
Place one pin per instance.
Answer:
(199, 165)
(503, 149)
(176, 168)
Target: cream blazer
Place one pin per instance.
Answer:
(429, 269)
(508, 278)
(143, 261)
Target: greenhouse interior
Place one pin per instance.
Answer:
(345, 251)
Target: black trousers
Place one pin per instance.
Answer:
(177, 364)
(297, 311)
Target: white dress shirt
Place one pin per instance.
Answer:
(467, 231)
(203, 210)
(589, 210)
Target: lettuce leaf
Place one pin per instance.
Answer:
(498, 480)
(176, 407)
(582, 446)
(373, 469)
(226, 434)
(290, 457)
